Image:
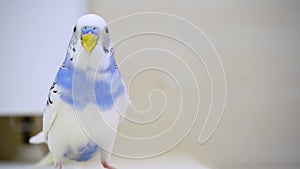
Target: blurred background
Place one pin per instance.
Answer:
(168, 83)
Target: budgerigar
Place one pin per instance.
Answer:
(86, 100)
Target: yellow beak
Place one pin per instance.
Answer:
(89, 41)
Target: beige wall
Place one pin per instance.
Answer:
(258, 42)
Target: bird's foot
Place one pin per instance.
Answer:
(106, 165)
(58, 166)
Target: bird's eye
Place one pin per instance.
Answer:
(74, 29)
(85, 27)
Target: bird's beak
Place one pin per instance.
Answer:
(89, 41)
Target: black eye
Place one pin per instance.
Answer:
(106, 30)
(74, 29)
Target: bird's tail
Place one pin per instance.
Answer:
(47, 160)
(37, 139)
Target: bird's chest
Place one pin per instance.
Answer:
(80, 88)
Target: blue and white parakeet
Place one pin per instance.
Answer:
(86, 100)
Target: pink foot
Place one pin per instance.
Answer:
(58, 166)
(106, 165)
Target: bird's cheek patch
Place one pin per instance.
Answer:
(89, 41)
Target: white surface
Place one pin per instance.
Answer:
(35, 35)
(161, 165)
(178, 162)
(170, 161)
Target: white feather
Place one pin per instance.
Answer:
(38, 139)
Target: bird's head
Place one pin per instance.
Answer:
(89, 28)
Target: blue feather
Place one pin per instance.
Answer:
(83, 153)
(105, 96)
(79, 90)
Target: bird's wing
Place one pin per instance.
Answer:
(50, 111)
(48, 117)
